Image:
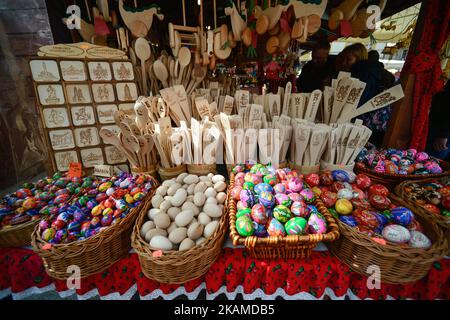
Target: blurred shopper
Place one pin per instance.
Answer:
(439, 125)
(317, 72)
(387, 78)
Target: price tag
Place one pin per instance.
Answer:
(103, 170)
(74, 170)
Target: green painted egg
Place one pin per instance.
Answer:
(244, 226)
(296, 226)
(244, 212)
(248, 186)
(282, 213)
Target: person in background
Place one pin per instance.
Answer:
(356, 61)
(317, 72)
(439, 125)
(387, 78)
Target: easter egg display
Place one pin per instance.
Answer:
(394, 161)
(371, 212)
(93, 210)
(279, 206)
(195, 206)
(433, 196)
(40, 199)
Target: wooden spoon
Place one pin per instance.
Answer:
(199, 74)
(109, 137)
(161, 73)
(144, 53)
(184, 57)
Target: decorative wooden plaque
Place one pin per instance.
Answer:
(76, 98)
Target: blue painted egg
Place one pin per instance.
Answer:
(349, 220)
(402, 216)
(263, 187)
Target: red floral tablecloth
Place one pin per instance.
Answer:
(21, 271)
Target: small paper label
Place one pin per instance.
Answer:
(103, 170)
(74, 170)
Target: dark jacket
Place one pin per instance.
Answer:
(313, 78)
(372, 74)
(440, 113)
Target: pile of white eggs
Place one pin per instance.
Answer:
(185, 212)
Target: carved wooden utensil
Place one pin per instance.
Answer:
(143, 52)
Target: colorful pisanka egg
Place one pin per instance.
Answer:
(337, 185)
(266, 199)
(295, 184)
(106, 219)
(378, 189)
(402, 216)
(48, 234)
(343, 206)
(247, 198)
(366, 219)
(308, 195)
(58, 224)
(282, 213)
(276, 228)
(326, 179)
(121, 204)
(23, 193)
(60, 236)
(379, 202)
(312, 179)
(44, 224)
(340, 175)
(328, 198)
(283, 199)
(419, 240)
(270, 179)
(263, 187)
(345, 194)
(260, 230)
(349, 220)
(248, 186)
(299, 209)
(61, 199)
(256, 178)
(74, 225)
(235, 193)
(281, 174)
(421, 156)
(396, 233)
(279, 188)
(138, 196)
(244, 212)
(317, 223)
(244, 226)
(296, 226)
(240, 205)
(358, 193)
(258, 214)
(29, 203)
(295, 196)
(362, 181)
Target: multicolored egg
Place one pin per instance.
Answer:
(248, 186)
(266, 199)
(316, 223)
(295, 184)
(419, 240)
(328, 198)
(247, 198)
(396, 233)
(308, 195)
(402, 216)
(263, 187)
(340, 175)
(283, 199)
(366, 218)
(260, 230)
(345, 194)
(312, 179)
(362, 181)
(378, 189)
(299, 209)
(349, 220)
(48, 234)
(276, 228)
(244, 212)
(282, 213)
(295, 196)
(296, 226)
(343, 206)
(244, 226)
(326, 179)
(279, 188)
(270, 179)
(379, 202)
(258, 214)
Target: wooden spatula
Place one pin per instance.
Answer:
(143, 52)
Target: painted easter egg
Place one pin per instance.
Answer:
(295, 184)
(343, 206)
(235, 193)
(106, 219)
(312, 179)
(295, 196)
(340, 175)
(317, 223)
(266, 199)
(326, 179)
(279, 188)
(445, 201)
(248, 186)
(280, 174)
(258, 214)
(58, 224)
(29, 203)
(260, 230)
(402, 216)
(328, 198)
(308, 195)
(247, 198)
(244, 226)
(378, 189)
(48, 234)
(102, 196)
(244, 212)
(270, 179)
(396, 233)
(362, 181)
(276, 228)
(282, 213)
(366, 219)
(240, 205)
(296, 226)
(432, 208)
(73, 226)
(256, 178)
(349, 220)
(283, 199)
(263, 187)
(299, 209)
(419, 240)
(379, 202)
(345, 194)
(363, 204)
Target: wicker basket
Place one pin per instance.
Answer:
(397, 264)
(304, 169)
(295, 247)
(150, 170)
(173, 172)
(18, 236)
(441, 221)
(201, 169)
(94, 254)
(392, 180)
(175, 267)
